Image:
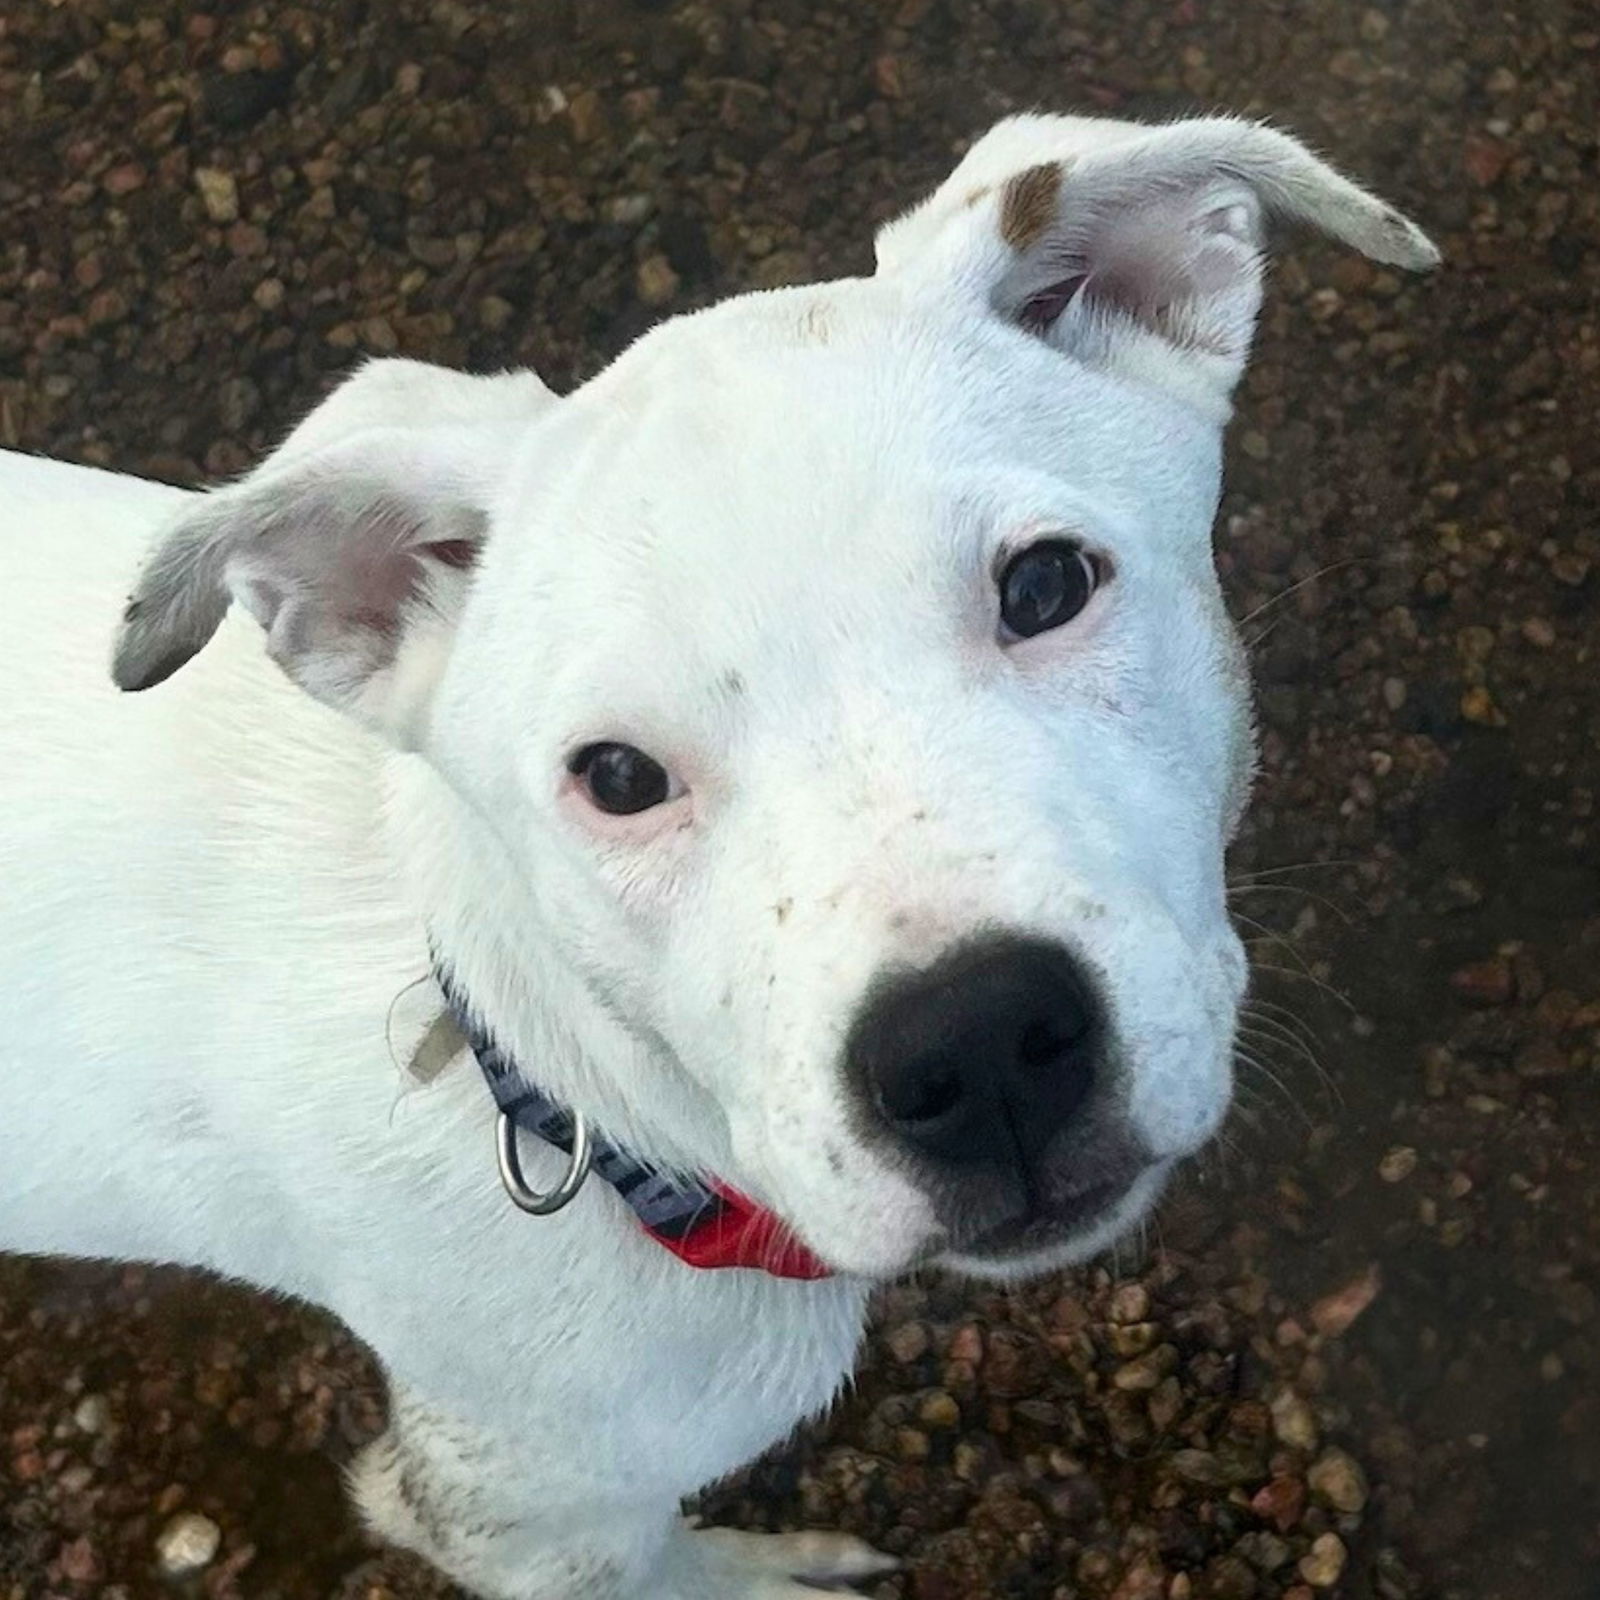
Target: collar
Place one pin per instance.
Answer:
(703, 1222)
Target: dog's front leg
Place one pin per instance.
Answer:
(510, 1526)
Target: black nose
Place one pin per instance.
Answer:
(982, 1058)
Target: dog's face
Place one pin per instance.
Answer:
(846, 673)
(785, 747)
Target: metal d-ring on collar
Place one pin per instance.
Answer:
(520, 1105)
(532, 1201)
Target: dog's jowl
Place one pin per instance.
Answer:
(798, 766)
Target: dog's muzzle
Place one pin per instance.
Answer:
(988, 1074)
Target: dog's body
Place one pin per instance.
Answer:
(221, 896)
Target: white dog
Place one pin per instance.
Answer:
(799, 762)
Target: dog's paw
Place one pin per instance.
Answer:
(786, 1566)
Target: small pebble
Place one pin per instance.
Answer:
(187, 1544)
(966, 1344)
(1281, 1502)
(80, 1562)
(1485, 983)
(1398, 1164)
(908, 1342)
(1128, 1339)
(1335, 1313)
(1324, 1564)
(1293, 1421)
(656, 281)
(124, 179)
(219, 194)
(1337, 1480)
(1199, 1467)
(92, 1414)
(911, 1444)
(1130, 1302)
(1477, 706)
(1147, 1371)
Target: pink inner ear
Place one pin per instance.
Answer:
(380, 567)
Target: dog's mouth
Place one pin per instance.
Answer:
(1058, 1223)
(1066, 1225)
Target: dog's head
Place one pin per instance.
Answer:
(844, 679)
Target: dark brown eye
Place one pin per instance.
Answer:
(1044, 586)
(620, 779)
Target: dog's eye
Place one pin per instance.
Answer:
(620, 779)
(1044, 586)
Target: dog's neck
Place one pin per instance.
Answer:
(469, 895)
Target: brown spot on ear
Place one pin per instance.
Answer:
(1028, 204)
(978, 195)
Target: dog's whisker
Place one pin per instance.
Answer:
(1265, 1013)
(1266, 1043)
(1302, 1044)
(1266, 934)
(1306, 975)
(1268, 873)
(1250, 1059)
(1270, 938)
(1295, 588)
(1330, 1090)
(1263, 1026)
(1256, 1004)
(1294, 889)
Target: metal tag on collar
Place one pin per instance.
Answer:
(552, 1200)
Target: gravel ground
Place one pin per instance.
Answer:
(1360, 1353)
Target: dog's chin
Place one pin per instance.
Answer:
(997, 1242)
(1069, 1230)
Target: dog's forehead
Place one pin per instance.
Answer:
(784, 423)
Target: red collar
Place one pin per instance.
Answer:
(742, 1234)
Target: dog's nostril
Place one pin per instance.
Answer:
(925, 1097)
(1044, 1044)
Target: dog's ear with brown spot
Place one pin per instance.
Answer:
(1137, 250)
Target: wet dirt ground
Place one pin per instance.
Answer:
(1360, 1353)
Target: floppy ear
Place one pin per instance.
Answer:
(352, 546)
(1134, 249)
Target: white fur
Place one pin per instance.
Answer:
(761, 548)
